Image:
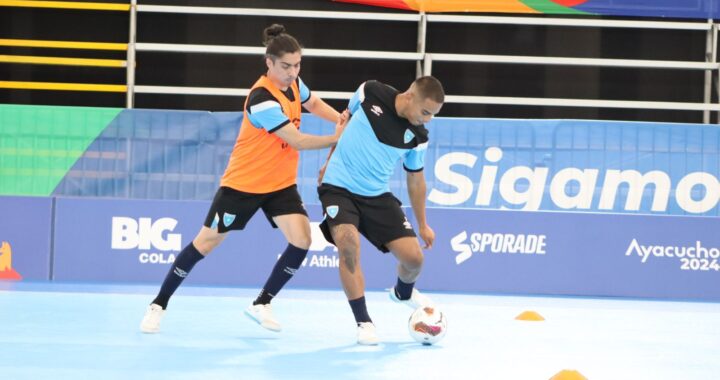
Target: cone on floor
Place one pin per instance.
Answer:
(529, 315)
(568, 374)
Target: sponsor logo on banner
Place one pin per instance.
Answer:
(696, 257)
(6, 270)
(153, 241)
(496, 243)
(319, 244)
(524, 187)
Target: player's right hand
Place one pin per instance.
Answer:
(427, 235)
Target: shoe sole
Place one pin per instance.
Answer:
(145, 330)
(399, 301)
(252, 318)
(407, 303)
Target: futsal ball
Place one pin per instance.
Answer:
(427, 325)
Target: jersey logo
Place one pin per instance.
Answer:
(228, 219)
(407, 224)
(408, 136)
(376, 110)
(332, 211)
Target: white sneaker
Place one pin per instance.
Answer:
(416, 300)
(366, 334)
(151, 321)
(262, 314)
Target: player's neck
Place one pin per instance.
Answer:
(400, 105)
(276, 83)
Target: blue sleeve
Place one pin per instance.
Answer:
(267, 115)
(357, 99)
(304, 91)
(415, 158)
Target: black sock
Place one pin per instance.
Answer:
(184, 262)
(359, 310)
(403, 291)
(284, 269)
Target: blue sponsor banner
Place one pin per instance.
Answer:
(574, 165)
(475, 250)
(136, 241)
(531, 165)
(574, 254)
(646, 195)
(25, 224)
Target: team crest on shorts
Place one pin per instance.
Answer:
(408, 136)
(228, 219)
(332, 211)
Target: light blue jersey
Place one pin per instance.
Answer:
(373, 142)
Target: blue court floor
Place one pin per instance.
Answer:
(70, 331)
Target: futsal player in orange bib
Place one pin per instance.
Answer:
(261, 174)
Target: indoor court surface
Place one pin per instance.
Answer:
(70, 331)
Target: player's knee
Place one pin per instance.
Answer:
(348, 247)
(205, 243)
(205, 246)
(415, 260)
(302, 241)
(347, 242)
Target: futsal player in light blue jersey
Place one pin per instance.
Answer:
(386, 126)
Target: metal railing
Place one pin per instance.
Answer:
(424, 59)
(82, 45)
(710, 64)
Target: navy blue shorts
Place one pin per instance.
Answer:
(232, 209)
(380, 218)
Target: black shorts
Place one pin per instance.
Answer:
(380, 218)
(232, 209)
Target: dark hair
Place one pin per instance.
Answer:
(429, 87)
(278, 43)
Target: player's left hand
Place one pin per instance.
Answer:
(342, 123)
(427, 235)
